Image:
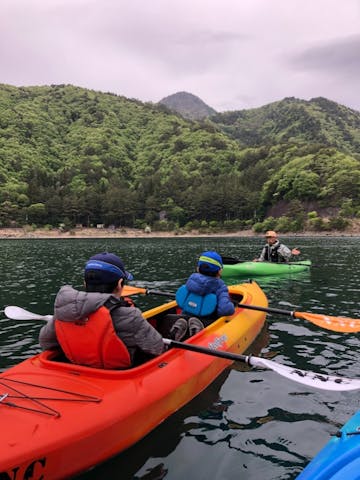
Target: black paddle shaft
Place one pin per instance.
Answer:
(211, 351)
(268, 309)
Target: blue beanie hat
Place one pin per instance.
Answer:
(106, 268)
(210, 261)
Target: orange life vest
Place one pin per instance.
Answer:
(93, 342)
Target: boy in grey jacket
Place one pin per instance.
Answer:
(104, 280)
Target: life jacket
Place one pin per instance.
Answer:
(194, 304)
(274, 255)
(93, 341)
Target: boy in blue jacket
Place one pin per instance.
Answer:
(206, 280)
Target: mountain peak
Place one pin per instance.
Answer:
(188, 105)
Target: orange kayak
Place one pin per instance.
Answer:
(60, 419)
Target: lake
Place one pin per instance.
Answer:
(249, 424)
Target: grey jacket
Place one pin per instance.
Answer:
(129, 324)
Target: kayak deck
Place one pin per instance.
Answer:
(340, 458)
(264, 268)
(61, 419)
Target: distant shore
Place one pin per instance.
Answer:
(14, 233)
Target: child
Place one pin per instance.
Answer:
(205, 281)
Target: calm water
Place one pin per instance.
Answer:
(249, 424)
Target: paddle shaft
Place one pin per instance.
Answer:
(268, 310)
(209, 351)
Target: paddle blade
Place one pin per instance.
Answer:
(230, 260)
(336, 324)
(130, 290)
(311, 379)
(18, 313)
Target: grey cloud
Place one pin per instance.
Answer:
(174, 49)
(340, 57)
(229, 53)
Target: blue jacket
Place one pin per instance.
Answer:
(202, 285)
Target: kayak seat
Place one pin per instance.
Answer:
(194, 304)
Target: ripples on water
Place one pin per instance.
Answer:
(248, 424)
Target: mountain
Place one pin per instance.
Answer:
(72, 155)
(187, 105)
(317, 121)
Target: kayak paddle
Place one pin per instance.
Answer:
(232, 260)
(336, 324)
(312, 379)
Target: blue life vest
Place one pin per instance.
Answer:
(194, 304)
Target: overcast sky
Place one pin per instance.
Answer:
(233, 54)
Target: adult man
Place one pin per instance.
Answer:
(99, 328)
(274, 251)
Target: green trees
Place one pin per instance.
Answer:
(86, 157)
(326, 176)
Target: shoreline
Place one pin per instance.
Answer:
(21, 233)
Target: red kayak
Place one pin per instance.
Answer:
(59, 419)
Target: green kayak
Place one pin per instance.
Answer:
(263, 268)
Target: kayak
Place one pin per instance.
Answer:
(60, 419)
(264, 268)
(340, 458)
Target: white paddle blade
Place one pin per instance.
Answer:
(18, 313)
(311, 379)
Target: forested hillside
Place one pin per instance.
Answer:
(292, 120)
(71, 155)
(90, 157)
